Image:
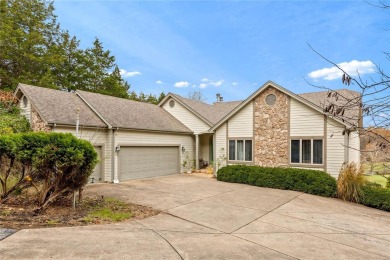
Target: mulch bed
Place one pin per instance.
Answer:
(17, 213)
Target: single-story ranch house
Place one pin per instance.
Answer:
(272, 127)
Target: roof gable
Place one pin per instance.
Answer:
(59, 107)
(210, 114)
(280, 88)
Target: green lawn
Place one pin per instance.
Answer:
(382, 167)
(377, 179)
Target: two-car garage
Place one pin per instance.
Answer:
(136, 162)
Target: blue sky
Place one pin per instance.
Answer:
(232, 47)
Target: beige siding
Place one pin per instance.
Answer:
(241, 124)
(335, 147)
(354, 147)
(98, 137)
(25, 111)
(305, 121)
(220, 146)
(129, 138)
(187, 117)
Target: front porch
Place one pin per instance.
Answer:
(204, 153)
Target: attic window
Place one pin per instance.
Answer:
(270, 100)
(25, 101)
(171, 103)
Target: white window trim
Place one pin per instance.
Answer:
(235, 149)
(311, 151)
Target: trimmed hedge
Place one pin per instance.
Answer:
(54, 163)
(376, 197)
(308, 181)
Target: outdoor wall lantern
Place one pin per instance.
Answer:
(183, 149)
(117, 148)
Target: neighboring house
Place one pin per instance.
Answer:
(272, 127)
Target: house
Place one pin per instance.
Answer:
(272, 127)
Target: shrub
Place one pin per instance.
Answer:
(376, 197)
(11, 121)
(54, 163)
(308, 181)
(350, 182)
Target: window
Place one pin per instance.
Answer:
(171, 103)
(232, 150)
(240, 150)
(295, 151)
(248, 150)
(25, 101)
(270, 99)
(307, 151)
(317, 151)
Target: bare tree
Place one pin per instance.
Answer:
(197, 96)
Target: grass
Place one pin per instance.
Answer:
(11, 181)
(350, 182)
(381, 167)
(109, 209)
(377, 179)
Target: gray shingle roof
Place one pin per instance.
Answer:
(60, 107)
(212, 113)
(124, 113)
(344, 95)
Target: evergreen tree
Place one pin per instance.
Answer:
(27, 32)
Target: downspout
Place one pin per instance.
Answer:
(346, 147)
(113, 168)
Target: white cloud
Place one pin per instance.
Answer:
(182, 84)
(204, 80)
(127, 74)
(203, 85)
(352, 68)
(217, 83)
(234, 83)
(159, 82)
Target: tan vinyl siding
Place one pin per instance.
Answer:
(305, 121)
(98, 137)
(25, 111)
(354, 150)
(220, 145)
(186, 117)
(133, 138)
(241, 124)
(335, 147)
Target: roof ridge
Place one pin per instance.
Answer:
(131, 100)
(314, 92)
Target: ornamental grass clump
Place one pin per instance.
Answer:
(350, 183)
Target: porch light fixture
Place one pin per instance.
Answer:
(183, 149)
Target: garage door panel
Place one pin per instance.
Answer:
(146, 162)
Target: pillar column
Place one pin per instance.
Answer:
(197, 152)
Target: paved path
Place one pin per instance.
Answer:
(207, 219)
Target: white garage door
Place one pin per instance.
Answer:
(96, 174)
(146, 162)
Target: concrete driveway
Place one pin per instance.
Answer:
(207, 219)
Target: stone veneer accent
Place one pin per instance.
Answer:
(271, 129)
(37, 123)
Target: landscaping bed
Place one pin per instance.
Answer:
(18, 213)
